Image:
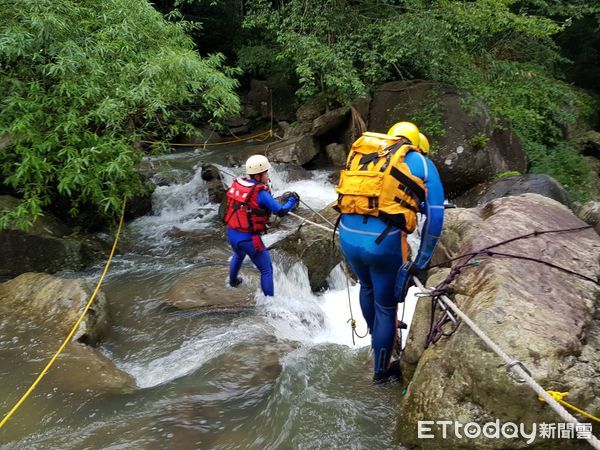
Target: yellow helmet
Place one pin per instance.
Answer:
(405, 129)
(423, 143)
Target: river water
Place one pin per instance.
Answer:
(285, 374)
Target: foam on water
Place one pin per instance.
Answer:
(183, 205)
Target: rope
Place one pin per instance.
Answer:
(352, 321)
(486, 251)
(266, 134)
(318, 214)
(558, 396)
(311, 222)
(512, 364)
(74, 329)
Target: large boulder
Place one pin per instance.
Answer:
(38, 311)
(48, 246)
(516, 185)
(316, 247)
(544, 317)
(590, 213)
(298, 150)
(469, 147)
(56, 303)
(330, 120)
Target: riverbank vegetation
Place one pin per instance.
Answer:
(83, 83)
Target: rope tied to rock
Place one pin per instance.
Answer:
(436, 330)
(558, 396)
(512, 365)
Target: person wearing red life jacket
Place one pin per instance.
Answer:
(249, 206)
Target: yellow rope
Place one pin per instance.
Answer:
(558, 396)
(74, 329)
(266, 134)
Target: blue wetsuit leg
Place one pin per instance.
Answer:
(236, 264)
(376, 266)
(242, 245)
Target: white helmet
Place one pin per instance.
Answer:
(257, 164)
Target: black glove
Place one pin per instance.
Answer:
(283, 212)
(287, 195)
(296, 197)
(404, 279)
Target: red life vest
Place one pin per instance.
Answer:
(243, 211)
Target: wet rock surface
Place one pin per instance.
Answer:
(207, 288)
(48, 246)
(544, 317)
(41, 309)
(516, 185)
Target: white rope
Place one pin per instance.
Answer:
(514, 365)
(312, 223)
(318, 213)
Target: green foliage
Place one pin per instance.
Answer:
(84, 81)
(508, 174)
(479, 141)
(501, 52)
(323, 44)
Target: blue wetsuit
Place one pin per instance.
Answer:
(242, 245)
(376, 265)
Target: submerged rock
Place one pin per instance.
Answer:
(207, 288)
(544, 317)
(56, 303)
(40, 310)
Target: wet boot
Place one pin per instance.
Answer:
(236, 282)
(389, 375)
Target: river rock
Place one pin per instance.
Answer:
(314, 247)
(48, 246)
(472, 148)
(336, 154)
(534, 183)
(207, 288)
(298, 150)
(544, 317)
(56, 303)
(40, 310)
(590, 213)
(330, 120)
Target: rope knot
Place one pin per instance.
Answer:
(556, 395)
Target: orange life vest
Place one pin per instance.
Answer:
(377, 182)
(243, 211)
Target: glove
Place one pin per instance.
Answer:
(296, 197)
(290, 194)
(283, 212)
(404, 279)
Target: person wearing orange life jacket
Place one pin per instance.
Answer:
(386, 182)
(249, 206)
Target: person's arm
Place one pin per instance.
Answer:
(266, 200)
(433, 207)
